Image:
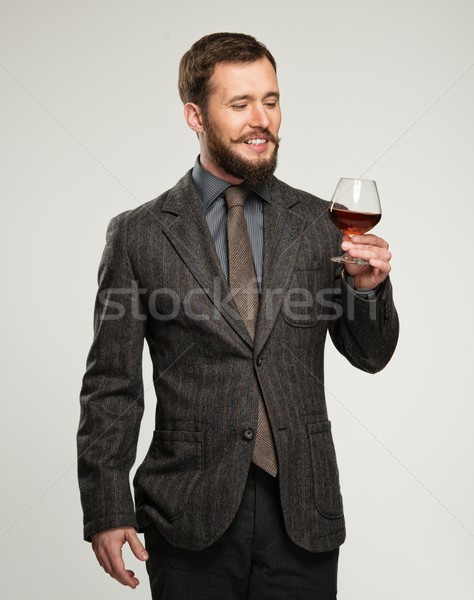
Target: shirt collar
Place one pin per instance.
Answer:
(209, 187)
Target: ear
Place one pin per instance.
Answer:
(193, 116)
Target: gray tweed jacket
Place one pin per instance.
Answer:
(160, 280)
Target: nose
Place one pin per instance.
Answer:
(259, 117)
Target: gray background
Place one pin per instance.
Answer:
(91, 125)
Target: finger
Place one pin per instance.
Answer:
(119, 572)
(109, 556)
(128, 579)
(376, 249)
(367, 252)
(135, 544)
(382, 265)
(371, 239)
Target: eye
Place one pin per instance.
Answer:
(271, 104)
(238, 106)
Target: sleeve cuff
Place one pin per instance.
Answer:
(110, 522)
(361, 293)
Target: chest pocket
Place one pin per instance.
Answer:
(311, 296)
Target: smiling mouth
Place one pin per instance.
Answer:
(256, 141)
(256, 138)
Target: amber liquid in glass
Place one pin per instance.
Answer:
(354, 223)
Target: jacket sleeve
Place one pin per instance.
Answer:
(112, 391)
(367, 331)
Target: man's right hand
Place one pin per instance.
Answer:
(107, 546)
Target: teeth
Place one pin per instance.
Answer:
(256, 141)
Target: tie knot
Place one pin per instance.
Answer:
(236, 196)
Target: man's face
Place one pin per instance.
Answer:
(241, 122)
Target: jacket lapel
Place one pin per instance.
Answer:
(282, 239)
(186, 228)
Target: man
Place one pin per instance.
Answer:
(228, 277)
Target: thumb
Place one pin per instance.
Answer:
(137, 547)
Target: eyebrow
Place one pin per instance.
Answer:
(249, 97)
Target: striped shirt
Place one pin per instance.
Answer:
(211, 190)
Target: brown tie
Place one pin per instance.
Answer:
(243, 283)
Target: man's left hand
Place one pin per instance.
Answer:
(372, 249)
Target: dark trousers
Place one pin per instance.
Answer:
(253, 560)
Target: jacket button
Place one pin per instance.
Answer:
(248, 434)
(259, 361)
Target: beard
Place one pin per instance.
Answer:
(254, 172)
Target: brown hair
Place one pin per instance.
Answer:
(197, 65)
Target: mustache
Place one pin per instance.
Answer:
(264, 132)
